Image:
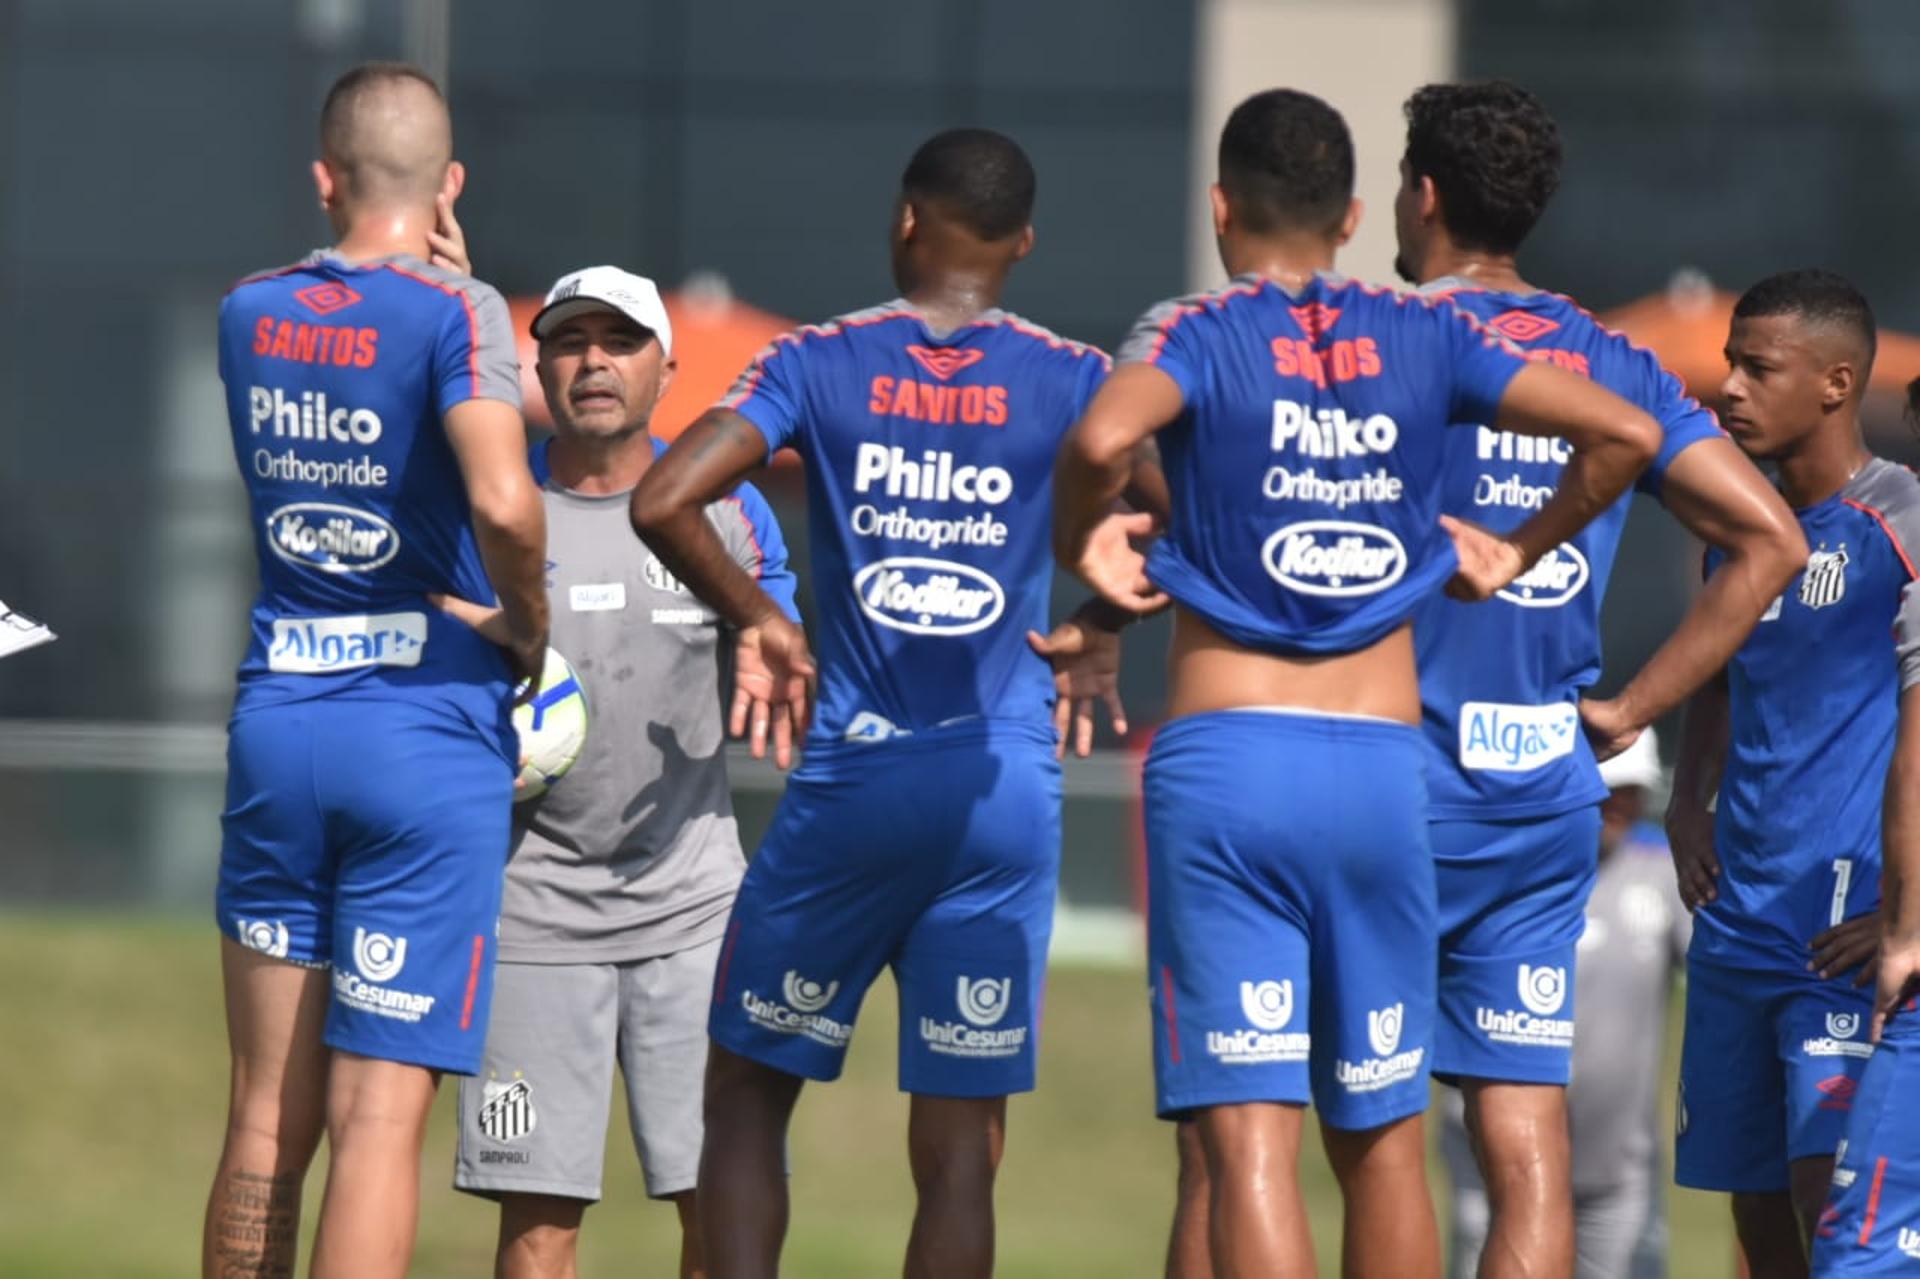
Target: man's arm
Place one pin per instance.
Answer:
(1900, 868)
(1097, 461)
(668, 511)
(1696, 780)
(1612, 442)
(509, 522)
(1721, 498)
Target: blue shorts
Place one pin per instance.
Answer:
(1290, 915)
(936, 854)
(1871, 1225)
(371, 837)
(1513, 900)
(1768, 1073)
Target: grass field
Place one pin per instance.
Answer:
(112, 1067)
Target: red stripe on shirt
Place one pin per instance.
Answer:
(1886, 528)
(473, 323)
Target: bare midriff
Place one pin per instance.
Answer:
(1209, 672)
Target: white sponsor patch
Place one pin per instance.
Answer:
(679, 616)
(1554, 579)
(983, 1003)
(320, 645)
(1388, 1065)
(1502, 737)
(1337, 558)
(268, 936)
(598, 597)
(506, 1110)
(928, 596)
(333, 539)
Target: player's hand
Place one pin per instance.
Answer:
(1851, 943)
(1899, 979)
(773, 683)
(447, 240)
(1487, 561)
(1609, 730)
(1086, 672)
(1690, 834)
(1112, 567)
(526, 655)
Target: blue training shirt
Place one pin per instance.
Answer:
(337, 377)
(1500, 681)
(1813, 705)
(1303, 464)
(929, 463)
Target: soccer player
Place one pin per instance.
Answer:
(1871, 1224)
(374, 403)
(1290, 887)
(623, 871)
(1634, 945)
(922, 830)
(1796, 740)
(1513, 790)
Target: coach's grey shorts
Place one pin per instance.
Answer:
(534, 1120)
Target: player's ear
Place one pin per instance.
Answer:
(1429, 198)
(1025, 244)
(1222, 212)
(1841, 382)
(324, 184)
(668, 367)
(903, 221)
(455, 182)
(1351, 222)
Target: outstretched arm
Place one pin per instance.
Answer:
(1721, 498)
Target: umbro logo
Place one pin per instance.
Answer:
(1315, 318)
(325, 299)
(1522, 326)
(944, 361)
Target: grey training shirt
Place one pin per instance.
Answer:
(634, 853)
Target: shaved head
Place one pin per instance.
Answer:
(386, 136)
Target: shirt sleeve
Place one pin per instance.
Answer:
(1906, 635)
(1482, 362)
(1684, 422)
(1164, 337)
(476, 358)
(766, 550)
(1094, 367)
(771, 392)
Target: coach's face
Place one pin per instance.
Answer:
(602, 375)
(1778, 384)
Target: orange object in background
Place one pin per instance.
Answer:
(714, 337)
(1686, 326)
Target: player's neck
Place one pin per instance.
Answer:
(385, 233)
(1291, 261)
(1495, 272)
(600, 468)
(1824, 462)
(954, 298)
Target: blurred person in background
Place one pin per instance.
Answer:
(1634, 946)
(374, 400)
(624, 869)
(1776, 814)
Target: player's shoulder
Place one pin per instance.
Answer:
(1890, 494)
(1018, 329)
(434, 279)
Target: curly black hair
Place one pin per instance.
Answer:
(980, 178)
(1286, 163)
(1493, 153)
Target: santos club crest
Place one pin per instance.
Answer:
(1825, 580)
(506, 1110)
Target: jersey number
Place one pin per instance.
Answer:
(1842, 879)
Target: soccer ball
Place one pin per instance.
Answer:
(552, 727)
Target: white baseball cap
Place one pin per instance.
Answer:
(606, 288)
(1638, 765)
